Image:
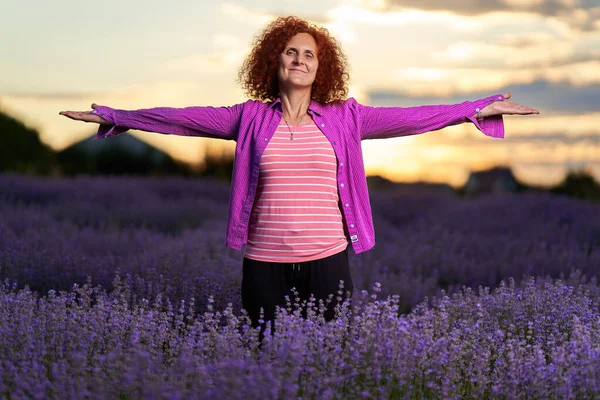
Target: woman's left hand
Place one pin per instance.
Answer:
(505, 107)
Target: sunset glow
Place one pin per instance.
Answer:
(400, 54)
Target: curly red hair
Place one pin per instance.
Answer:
(258, 74)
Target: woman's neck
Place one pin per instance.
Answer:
(295, 105)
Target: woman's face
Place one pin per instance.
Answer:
(298, 62)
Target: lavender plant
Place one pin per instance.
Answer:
(536, 341)
(122, 288)
(167, 235)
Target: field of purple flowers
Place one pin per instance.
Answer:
(121, 287)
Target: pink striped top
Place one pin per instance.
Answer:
(296, 215)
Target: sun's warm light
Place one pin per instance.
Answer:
(391, 48)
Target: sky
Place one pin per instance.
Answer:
(132, 54)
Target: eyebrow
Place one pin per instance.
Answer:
(296, 50)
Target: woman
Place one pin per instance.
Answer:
(299, 192)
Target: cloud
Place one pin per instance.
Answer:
(251, 11)
(570, 16)
(582, 14)
(521, 51)
(246, 15)
(223, 61)
(71, 96)
(446, 82)
(438, 53)
(545, 95)
(220, 59)
(573, 165)
(592, 139)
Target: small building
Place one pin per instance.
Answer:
(495, 180)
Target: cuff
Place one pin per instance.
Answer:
(110, 115)
(490, 126)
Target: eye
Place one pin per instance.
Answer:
(309, 55)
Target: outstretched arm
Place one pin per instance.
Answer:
(214, 122)
(387, 122)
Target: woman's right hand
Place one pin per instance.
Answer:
(86, 116)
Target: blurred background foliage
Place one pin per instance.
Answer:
(22, 152)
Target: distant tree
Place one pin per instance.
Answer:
(218, 165)
(124, 154)
(580, 184)
(22, 151)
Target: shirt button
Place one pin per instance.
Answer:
(477, 109)
(341, 184)
(499, 98)
(351, 225)
(341, 164)
(322, 125)
(266, 139)
(347, 205)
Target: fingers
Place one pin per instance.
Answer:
(76, 115)
(514, 108)
(85, 116)
(532, 110)
(70, 114)
(527, 110)
(523, 110)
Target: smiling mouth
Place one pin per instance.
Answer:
(297, 70)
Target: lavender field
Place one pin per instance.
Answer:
(121, 287)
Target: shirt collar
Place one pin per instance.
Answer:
(314, 106)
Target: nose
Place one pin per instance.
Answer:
(298, 60)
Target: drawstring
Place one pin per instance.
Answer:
(294, 267)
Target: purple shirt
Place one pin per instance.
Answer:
(344, 123)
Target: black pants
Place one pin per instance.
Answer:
(265, 284)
